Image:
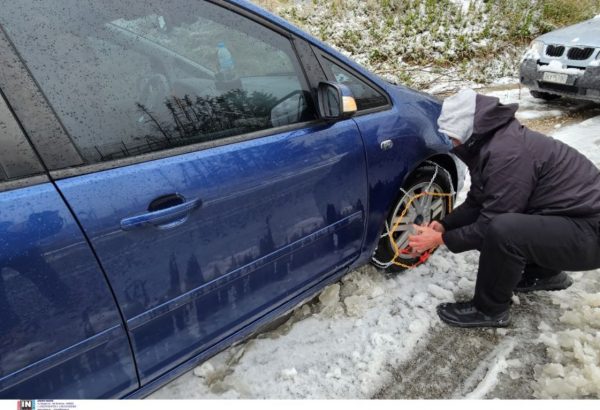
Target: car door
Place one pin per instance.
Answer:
(210, 198)
(397, 136)
(61, 334)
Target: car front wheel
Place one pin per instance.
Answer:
(425, 197)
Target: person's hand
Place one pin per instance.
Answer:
(436, 226)
(425, 239)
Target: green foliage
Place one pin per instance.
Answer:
(376, 56)
(559, 13)
(385, 4)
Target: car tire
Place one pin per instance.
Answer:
(419, 213)
(543, 95)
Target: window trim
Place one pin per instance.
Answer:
(39, 122)
(310, 64)
(25, 182)
(252, 16)
(17, 146)
(324, 57)
(172, 152)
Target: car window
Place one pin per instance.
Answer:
(366, 96)
(137, 76)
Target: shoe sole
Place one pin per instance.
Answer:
(471, 325)
(474, 324)
(554, 288)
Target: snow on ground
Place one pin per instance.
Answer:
(374, 335)
(573, 370)
(534, 108)
(498, 358)
(574, 352)
(584, 136)
(341, 345)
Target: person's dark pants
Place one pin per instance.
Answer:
(535, 246)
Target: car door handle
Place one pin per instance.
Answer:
(163, 218)
(387, 144)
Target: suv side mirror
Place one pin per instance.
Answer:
(335, 101)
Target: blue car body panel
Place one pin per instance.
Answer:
(265, 223)
(276, 214)
(61, 331)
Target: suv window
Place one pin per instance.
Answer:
(135, 76)
(366, 96)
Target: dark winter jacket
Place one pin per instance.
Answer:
(516, 170)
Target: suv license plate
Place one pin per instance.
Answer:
(555, 77)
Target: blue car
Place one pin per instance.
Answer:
(176, 175)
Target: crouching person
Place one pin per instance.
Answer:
(533, 209)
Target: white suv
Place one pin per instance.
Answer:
(565, 62)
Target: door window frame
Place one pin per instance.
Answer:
(39, 122)
(60, 154)
(31, 171)
(325, 58)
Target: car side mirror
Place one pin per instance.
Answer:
(336, 101)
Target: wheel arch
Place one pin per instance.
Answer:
(445, 161)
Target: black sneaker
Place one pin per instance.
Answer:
(465, 314)
(556, 282)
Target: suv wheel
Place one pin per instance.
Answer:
(421, 211)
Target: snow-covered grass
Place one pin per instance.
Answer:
(418, 42)
(433, 45)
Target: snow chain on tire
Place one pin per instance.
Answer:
(390, 230)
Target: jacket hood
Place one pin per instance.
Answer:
(458, 112)
(488, 116)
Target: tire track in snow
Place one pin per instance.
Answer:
(458, 363)
(491, 367)
(442, 365)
